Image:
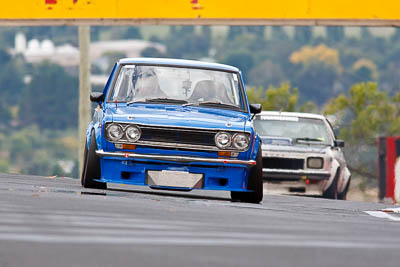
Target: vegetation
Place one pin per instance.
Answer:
(57, 106)
(365, 114)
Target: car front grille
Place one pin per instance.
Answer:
(181, 136)
(283, 163)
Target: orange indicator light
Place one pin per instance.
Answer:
(224, 153)
(128, 146)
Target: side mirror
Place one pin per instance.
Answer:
(255, 108)
(96, 97)
(339, 143)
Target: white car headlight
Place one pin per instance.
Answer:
(133, 133)
(315, 163)
(114, 132)
(223, 140)
(241, 141)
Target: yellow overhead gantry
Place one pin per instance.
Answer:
(206, 12)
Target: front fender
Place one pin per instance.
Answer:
(89, 133)
(97, 128)
(344, 178)
(256, 144)
(334, 168)
(255, 139)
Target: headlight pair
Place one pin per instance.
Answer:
(115, 132)
(225, 140)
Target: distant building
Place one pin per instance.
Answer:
(36, 51)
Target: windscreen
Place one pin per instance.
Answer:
(293, 127)
(143, 83)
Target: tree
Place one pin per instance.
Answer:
(206, 33)
(279, 34)
(334, 34)
(11, 85)
(184, 42)
(151, 52)
(5, 115)
(132, 33)
(11, 80)
(51, 99)
(111, 57)
(389, 80)
(365, 34)
(242, 60)
(40, 164)
(396, 36)
(284, 98)
(188, 29)
(4, 57)
(319, 69)
(265, 74)
(7, 36)
(364, 70)
(235, 31)
(24, 143)
(3, 165)
(364, 114)
(256, 30)
(302, 35)
(322, 53)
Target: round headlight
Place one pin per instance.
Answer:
(223, 140)
(133, 133)
(241, 141)
(115, 132)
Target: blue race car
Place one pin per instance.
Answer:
(177, 125)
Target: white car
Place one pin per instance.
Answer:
(301, 153)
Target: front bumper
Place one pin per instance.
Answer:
(173, 158)
(284, 174)
(139, 169)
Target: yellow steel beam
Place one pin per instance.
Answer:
(304, 12)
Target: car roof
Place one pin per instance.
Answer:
(292, 114)
(178, 63)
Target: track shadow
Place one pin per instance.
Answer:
(302, 195)
(169, 193)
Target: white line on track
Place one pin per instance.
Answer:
(393, 210)
(383, 215)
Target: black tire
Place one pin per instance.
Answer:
(255, 183)
(331, 192)
(91, 166)
(84, 164)
(343, 195)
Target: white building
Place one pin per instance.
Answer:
(36, 51)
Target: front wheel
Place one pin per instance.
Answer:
(343, 195)
(255, 183)
(331, 192)
(91, 166)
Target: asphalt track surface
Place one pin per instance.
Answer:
(56, 222)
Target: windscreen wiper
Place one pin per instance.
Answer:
(166, 100)
(158, 100)
(308, 139)
(217, 104)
